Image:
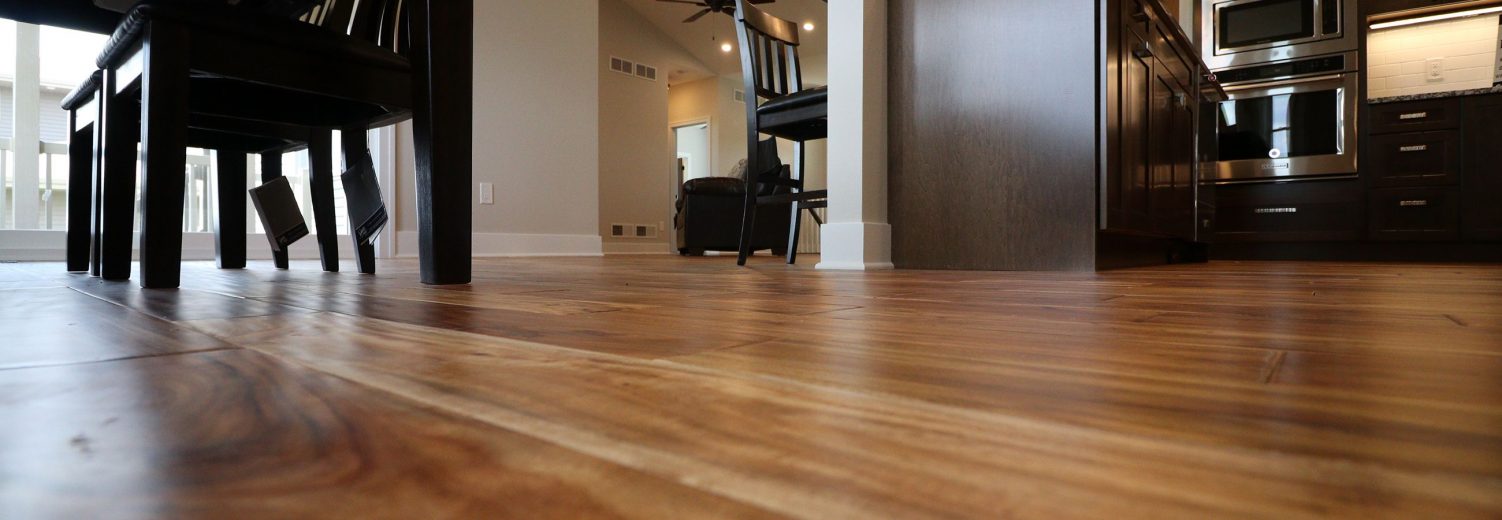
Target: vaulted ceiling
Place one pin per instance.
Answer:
(703, 37)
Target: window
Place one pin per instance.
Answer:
(63, 59)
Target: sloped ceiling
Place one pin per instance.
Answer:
(703, 37)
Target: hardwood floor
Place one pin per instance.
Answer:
(662, 387)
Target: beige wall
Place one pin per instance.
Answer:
(636, 155)
(536, 130)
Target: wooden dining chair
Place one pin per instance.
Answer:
(233, 140)
(343, 65)
(772, 72)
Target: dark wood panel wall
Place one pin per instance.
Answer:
(994, 134)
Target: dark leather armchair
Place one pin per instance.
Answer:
(709, 218)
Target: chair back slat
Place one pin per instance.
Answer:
(380, 22)
(769, 52)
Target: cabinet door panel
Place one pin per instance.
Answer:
(1481, 213)
(1416, 159)
(1414, 214)
(1130, 201)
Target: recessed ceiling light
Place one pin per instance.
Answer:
(726, 47)
(808, 26)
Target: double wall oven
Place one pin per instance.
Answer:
(1290, 70)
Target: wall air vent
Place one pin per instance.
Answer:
(647, 72)
(618, 230)
(739, 95)
(645, 231)
(623, 66)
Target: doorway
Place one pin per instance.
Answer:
(693, 159)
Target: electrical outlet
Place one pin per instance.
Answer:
(487, 193)
(1435, 68)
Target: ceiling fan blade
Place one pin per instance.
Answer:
(697, 16)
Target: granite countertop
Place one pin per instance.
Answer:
(1495, 89)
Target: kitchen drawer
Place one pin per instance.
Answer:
(1415, 116)
(1415, 159)
(1415, 214)
(1290, 212)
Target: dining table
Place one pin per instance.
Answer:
(441, 36)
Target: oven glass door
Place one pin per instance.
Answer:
(1301, 124)
(1288, 128)
(1257, 23)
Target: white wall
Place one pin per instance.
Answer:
(693, 151)
(536, 131)
(1397, 57)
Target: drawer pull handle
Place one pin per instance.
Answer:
(1413, 203)
(1414, 148)
(1267, 211)
(1413, 115)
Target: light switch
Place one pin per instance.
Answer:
(1435, 68)
(487, 193)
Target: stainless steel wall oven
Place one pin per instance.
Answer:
(1289, 120)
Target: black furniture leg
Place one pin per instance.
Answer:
(164, 135)
(442, 118)
(80, 190)
(321, 183)
(355, 146)
(96, 174)
(271, 169)
(748, 215)
(117, 181)
(797, 220)
(229, 217)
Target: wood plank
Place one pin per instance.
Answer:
(181, 305)
(238, 434)
(815, 452)
(60, 326)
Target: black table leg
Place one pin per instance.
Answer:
(271, 169)
(321, 184)
(229, 217)
(164, 135)
(442, 136)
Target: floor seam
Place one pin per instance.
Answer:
(129, 358)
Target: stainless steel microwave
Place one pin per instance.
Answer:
(1248, 32)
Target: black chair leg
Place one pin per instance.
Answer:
(321, 182)
(748, 217)
(164, 140)
(80, 189)
(271, 169)
(229, 218)
(796, 222)
(116, 208)
(354, 143)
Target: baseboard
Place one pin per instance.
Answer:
(514, 245)
(51, 246)
(638, 248)
(856, 246)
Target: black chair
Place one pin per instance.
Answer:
(344, 66)
(769, 63)
(232, 139)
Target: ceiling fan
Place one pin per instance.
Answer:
(712, 6)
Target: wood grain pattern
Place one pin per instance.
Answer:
(671, 387)
(131, 440)
(990, 166)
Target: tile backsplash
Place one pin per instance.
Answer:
(1398, 59)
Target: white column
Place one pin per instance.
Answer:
(857, 236)
(27, 141)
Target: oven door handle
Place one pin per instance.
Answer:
(1285, 83)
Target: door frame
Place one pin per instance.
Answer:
(673, 182)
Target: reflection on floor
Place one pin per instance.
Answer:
(662, 387)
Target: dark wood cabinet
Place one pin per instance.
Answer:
(1415, 116)
(1415, 214)
(1481, 205)
(1415, 159)
(1151, 191)
(1290, 212)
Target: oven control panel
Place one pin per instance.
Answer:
(1287, 69)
